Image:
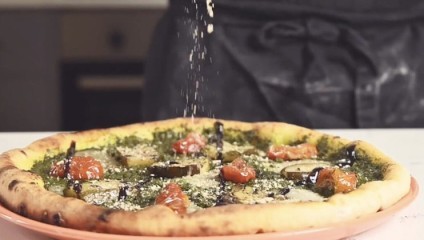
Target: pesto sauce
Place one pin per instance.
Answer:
(125, 174)
(42, 168)
(202, 197)
(148, 191)
(304, 139)
(267, 181)
(261, 170)
(163, 140)
(366, 169)
(130, 141)
(115, 154)
(246, 137)
(330, 150)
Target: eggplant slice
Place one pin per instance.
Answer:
(301, 171)
(179, 168)
(141, 155)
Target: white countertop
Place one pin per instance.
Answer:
(403, 145)
(81, 4)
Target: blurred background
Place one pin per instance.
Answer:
(82, 64)
(72, 65)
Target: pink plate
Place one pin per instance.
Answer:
(341, 230)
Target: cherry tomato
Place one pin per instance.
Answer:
(81, 168)
(286, 152)
(238, 171)
(193, 143)
(173, 197)
(336, 180)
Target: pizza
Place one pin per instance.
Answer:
(199, 177)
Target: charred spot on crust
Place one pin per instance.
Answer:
(12, 184)
(105, 215)
(45, 216)
(205, 229)
(57, 219)
(22, 210)
(260, 231)
(23, 152)
(3, 201)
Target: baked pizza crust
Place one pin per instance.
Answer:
(22, 191)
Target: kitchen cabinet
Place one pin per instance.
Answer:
(29, 54)
(43, 47)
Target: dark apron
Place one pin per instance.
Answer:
(319, 64)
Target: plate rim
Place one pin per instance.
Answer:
(69, 233)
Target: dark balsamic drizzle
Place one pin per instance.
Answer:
(225, 199)
(123, 192)
(350, 152)
(73, 184)
(300, 183)
(313, 176)
(142, 182)
(68, 160)
(350, 157)
(284, 191)
(222, 198)
(76, 186)
(311, 179)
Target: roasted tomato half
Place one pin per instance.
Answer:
(335, 180)
(286, 152)
(193, 143)
(238, 171)
(81, 168)
(173, 197)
